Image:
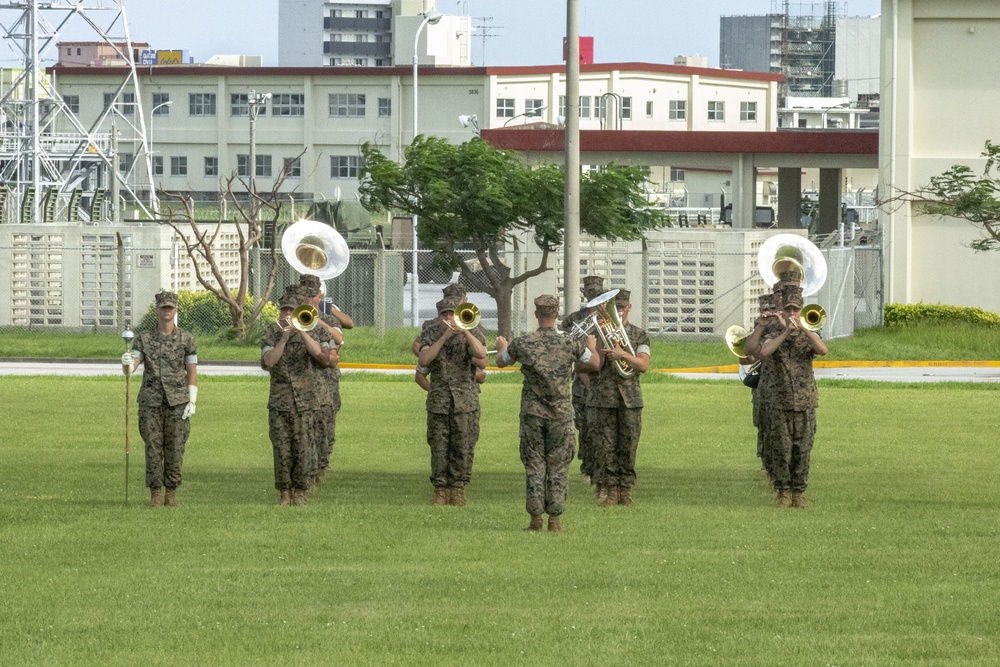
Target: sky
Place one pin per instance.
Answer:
(520, 32)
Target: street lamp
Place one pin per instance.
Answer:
(255, 103)
(432, 17)
(532, 113)
(822, 116)
(472, 120)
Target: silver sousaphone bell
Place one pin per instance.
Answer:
(784, 252)
(315, 248)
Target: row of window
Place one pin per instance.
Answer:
(340, 105)
(359, 13)
(677, 109)
(361, 38)
(341, 166)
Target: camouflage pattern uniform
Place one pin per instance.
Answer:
(332, 376)
(452, 408)
(593, 286)
(789, 386)
(162, 399)
(547, 358)
(614, 418)
(299, 393)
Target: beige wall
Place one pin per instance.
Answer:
(940, 101)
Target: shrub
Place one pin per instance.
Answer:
(902, 314)
(202, 312)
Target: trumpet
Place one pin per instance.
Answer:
(812, 316)
(304, 318)
(608, 326)
(467, 316)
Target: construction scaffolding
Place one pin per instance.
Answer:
(807, 34)
(52, 167)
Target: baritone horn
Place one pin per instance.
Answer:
(467, 316)
(315, 248)
(608, 326)
(812, 316)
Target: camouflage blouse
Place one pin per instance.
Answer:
(547, 358)
(452, 375)
(297, 380)
(786, 377)
(165, 358)
(610, 390)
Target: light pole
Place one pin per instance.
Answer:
(432, 17)
(533, 113)
(255, 102)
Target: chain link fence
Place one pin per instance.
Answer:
(689, 284)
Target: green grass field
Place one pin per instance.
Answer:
(894, 563)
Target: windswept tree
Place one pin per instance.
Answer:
(251, 213)
(475, 195)
(959, 193)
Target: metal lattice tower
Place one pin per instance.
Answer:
(49, 161)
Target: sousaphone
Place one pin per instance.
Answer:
(790, 252)
(314, 248)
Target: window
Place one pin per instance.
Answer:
(505, 107)
(125, 161)
(79, 51)
(239, 105)
(676, 174)
(562, 106)
(337, 37)
(585, 106)
(361, 62)
(626, 108)
(125, 105)
(72, 103)
(293, 105)
(178, 166)
(347, 105)
(379, 62)
(384, 107)
(292, 167)
(157, 165)
(69, 52)
(337, 13)
(160, 106)
(361, 13)
(263, 166)
(649, 109)
(211, 166)
(533, 107)
(201, 104)
(361, 38)
(677, 110)
(344, 166)
(748, 112)
(717, 111)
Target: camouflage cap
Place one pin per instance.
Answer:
(766, 301)
(793, 276)
(449, 303)
(165, 298)
(791, 296)
(622, 298)
(454, 289)
(292, 297)
(547, 304)
(311, 285)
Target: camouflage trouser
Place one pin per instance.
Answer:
(452, 439)
(165, 434)
(615, 434)
(587, 450)
(791, 439)
(546, 452)
(329, 438)
(293, 435)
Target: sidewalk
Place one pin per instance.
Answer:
(881, 371)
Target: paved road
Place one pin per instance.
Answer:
(882, 374)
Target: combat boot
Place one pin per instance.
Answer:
(155, 499)
(458, 496)
(298, 497)
(554, 525)
(536, 523)
(320, 476)
(284, 497)
(608, 497)
(784, 500)
(625, 495)
(441, 495)
(171, 500)
(799, 499)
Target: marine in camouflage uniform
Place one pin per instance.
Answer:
(451, 356)
(767, 325)
(169, 358)
(790, 387)
(311, 288)
(547, 360)
(593, 286)
(456, 291)
(614, 413)
(298, 395)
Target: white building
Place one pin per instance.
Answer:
(368, 33)
(939, 106)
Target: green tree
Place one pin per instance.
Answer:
(958, 193)
(474, 194)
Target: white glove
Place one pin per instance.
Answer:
(128, 359)
(193, 397)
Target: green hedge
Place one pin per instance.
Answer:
(902, 314)
(202, 312)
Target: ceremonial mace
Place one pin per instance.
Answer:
(128, 337)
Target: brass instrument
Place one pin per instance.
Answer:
(467, 316)
(315, 248)
(812, 316)
(607, 325)
(305, 318)
(736, 338)
(790, 252)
